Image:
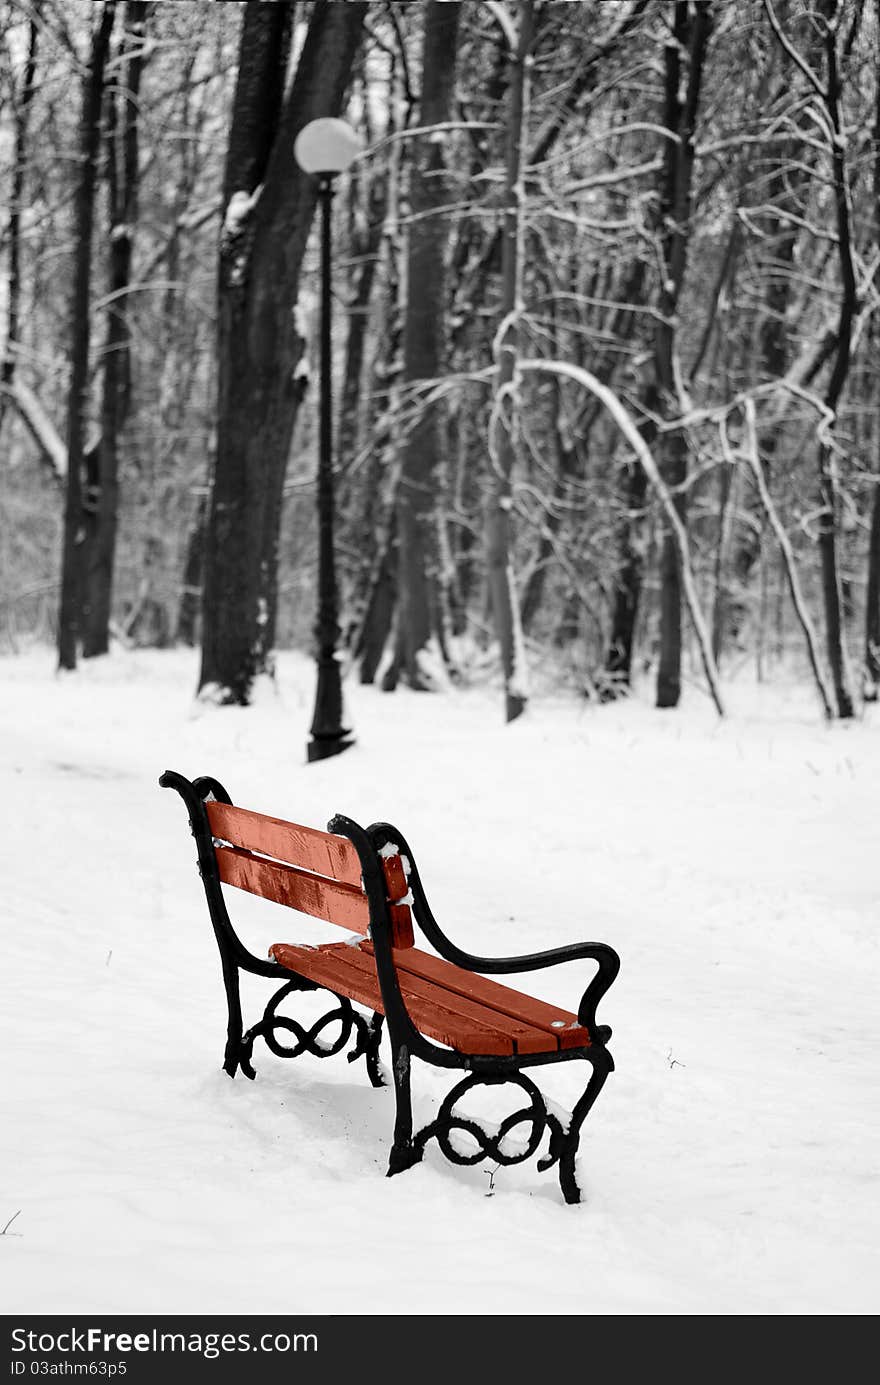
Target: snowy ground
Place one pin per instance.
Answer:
(729, 1166)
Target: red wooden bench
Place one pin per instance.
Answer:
(442, 1009)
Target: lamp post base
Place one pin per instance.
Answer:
(328, 734)
(321, 748)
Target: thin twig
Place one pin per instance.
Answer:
(792, 51)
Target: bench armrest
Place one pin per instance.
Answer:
(608, 967)
(382, 833)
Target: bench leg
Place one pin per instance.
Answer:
(367, 1046)
(232, 1052)
(403, 1155)
(240, 1047)
(538, 1118)
(567, 1142)
(374, 1072)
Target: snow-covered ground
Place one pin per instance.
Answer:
(730, 1164)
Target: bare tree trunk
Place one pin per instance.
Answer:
(727, 501)
(465, 512)
(690, 34)
(373, 523)
(789, 171)
(829, 95)
(566, 457)
(367, 251)
(269, 205)
(570, 443)
(831, 583)
(779, 245)
(379, 617)
(13, 303)
(794, 586)
(628, 585)
(102, 501)
(418, 494)
(189, 611)
(84, 214)
(505, 423)
(763, 562)
(872, 597)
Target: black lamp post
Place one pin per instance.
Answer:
(325, 148)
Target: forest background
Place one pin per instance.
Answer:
(605, 358)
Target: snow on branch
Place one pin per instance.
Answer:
(642, 127)
(643, 453)
(792, 52)
(500, 14)
(414, 131)
(615, 175)
(40, 426)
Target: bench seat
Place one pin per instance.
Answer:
(458, 1008)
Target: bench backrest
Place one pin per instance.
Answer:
(315, 872)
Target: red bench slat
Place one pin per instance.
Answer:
(395, 876)
(560, 1024)
(397, 887)
(322, 852)
(401, 925)
(327, 966)
(525, 1038)
(310, 894)
(460, 1022)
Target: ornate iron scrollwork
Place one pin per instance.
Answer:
(367, 1034)
(490, 1144)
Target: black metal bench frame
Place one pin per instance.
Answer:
(405, 1039)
